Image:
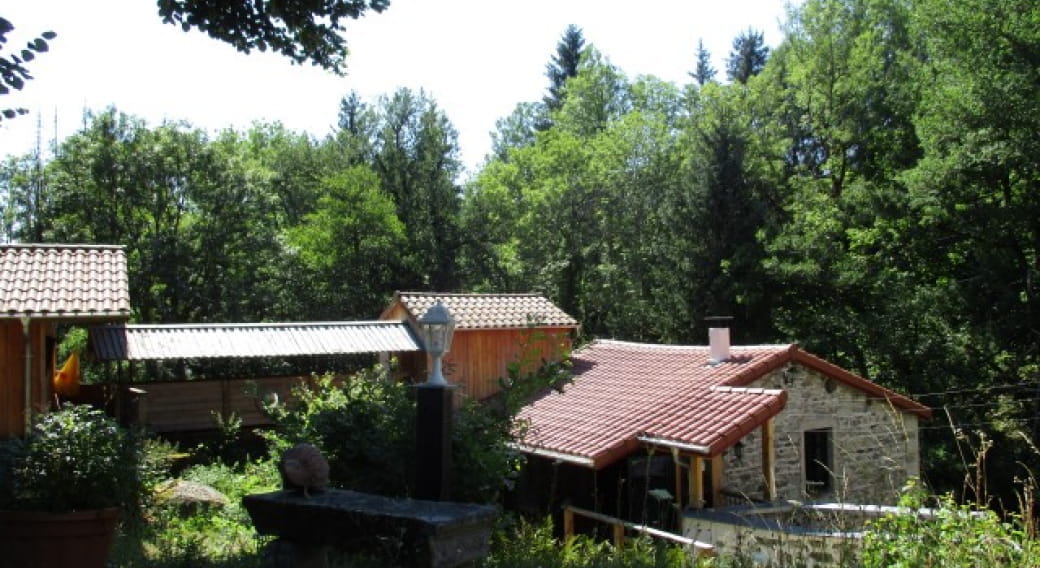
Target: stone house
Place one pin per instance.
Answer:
(713, 426)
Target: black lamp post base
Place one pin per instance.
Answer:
(433, 441)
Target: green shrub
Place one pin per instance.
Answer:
(954, 536)
(526, 545)
(365, 426)
(74, 458)
(205, 536)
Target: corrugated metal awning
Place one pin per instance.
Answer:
(252, 340)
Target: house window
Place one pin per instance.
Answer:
(819, 460)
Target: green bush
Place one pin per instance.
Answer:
(954, 536)
(526, 545)
(365, 426)
(75, 458)
(203, 536)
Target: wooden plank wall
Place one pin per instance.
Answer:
(184, 406)
(12, 373)
(12, 377)
(480, 357)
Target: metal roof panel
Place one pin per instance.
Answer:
(207, 341)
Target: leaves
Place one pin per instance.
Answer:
(13, 73)
(301, 30)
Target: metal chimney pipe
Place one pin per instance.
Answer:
(718, 338)
(718, 344)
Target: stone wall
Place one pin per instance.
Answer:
(874, 446)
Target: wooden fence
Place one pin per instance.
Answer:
(185, 406)
(697, 548)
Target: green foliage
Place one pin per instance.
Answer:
(300, 30)
(348, 244)
(173, 536)
(365, 426)
(704, 72)
(74, 459)
(564, 66)
(526, 545)
(950, 536)
(748, 56)
(13, 70)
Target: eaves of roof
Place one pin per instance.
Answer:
(795, 354)
(486, 311)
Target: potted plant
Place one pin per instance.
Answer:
(63, 487)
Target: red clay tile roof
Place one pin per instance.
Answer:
(489, 311)
(627, 394)
(64, 282)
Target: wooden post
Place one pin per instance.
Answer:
(769, 460)
(696, 482)
(568, 523)
(433, 423)
(678, 483)
(225, 399)
(619, 535)
(716, 481)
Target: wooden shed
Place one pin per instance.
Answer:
(190, 404)
(41, 286)
(492, 331)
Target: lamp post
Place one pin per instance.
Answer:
(438, 327)
(434, 409)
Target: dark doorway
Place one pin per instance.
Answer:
(819, 461)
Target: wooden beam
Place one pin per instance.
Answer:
(619, 535)
(696, 482)
(702, 549)
(769, 460)
(716, 481)
(568, 523)
(678, 482)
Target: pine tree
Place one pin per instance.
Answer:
(748, 56)
(704, 72)
(564, 65)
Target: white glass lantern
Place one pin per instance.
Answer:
(437, 327)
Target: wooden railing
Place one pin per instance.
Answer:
(699, 549)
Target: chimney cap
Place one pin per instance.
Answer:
(719, 321)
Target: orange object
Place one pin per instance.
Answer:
(66, 380)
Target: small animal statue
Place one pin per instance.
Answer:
(304, 467)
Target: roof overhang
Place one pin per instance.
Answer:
(582, 461)
(242, 341)
(795, 354)
(74, 318)
(680, 446)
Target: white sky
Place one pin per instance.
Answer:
(477, 58)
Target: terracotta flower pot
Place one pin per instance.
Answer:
(32, 539)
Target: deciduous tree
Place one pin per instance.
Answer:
(301, 30)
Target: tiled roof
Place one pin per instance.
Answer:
(624, 391)
(64, 282)
(626, 394)
(200, 341)
(489, 311)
